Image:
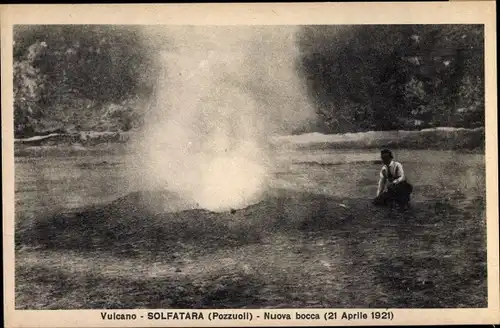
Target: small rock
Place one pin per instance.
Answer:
(325, 263)
(178, 270)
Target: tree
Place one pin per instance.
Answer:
(394, 76)
(68, 75)
(28, 90)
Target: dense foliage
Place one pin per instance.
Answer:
(79, 77)
(373, 77)
(359, 77)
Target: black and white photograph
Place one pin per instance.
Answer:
(249, 166)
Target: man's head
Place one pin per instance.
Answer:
(386, 156)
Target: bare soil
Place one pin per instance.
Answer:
(314, 240)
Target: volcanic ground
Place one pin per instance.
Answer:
(291, 249)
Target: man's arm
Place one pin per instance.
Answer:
(400, 172)
(381, 183)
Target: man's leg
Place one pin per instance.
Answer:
(409, 190)
(392, 196)
(402, 194)
(381, 200)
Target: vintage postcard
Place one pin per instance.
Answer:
(250, 164)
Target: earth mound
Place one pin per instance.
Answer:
(149, 221)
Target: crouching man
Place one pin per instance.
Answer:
(393, 189)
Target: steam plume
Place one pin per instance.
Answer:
(222, 92)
